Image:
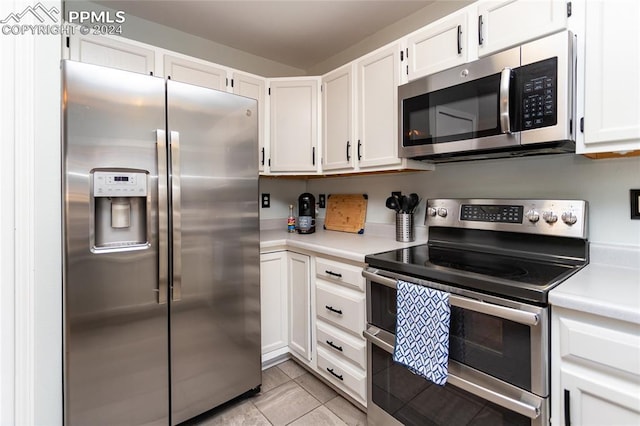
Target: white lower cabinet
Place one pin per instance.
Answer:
(595, 370)
(300, 305)
(344, 376)
(274, 301)
(339, 323)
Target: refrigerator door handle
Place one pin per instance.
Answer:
(174, 141)
(163, 243)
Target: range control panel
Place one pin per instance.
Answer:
(567, 218)
(119, 184)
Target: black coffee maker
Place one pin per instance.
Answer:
(306, 213)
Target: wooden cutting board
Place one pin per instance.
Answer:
(346, 212)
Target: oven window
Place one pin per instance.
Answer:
(465, 111)
(498, 347)
(415, 401)
(495, 346)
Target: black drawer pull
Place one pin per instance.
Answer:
(332, 309)
(335, 274)
(339, 376)
(330, 343)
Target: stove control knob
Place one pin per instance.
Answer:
(549, 217)
(431, 211)
(442, 212)
(533, 216)
(569, 218)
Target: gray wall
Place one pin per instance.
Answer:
(604, 184)
(148, 32)
(388, 34)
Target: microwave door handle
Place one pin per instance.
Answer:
(505, 83)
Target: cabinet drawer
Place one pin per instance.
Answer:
(345, 274)
(340, 306)
(349, 379)
(342, 344)
(601, 345)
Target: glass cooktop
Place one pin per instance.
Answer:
(513, 277)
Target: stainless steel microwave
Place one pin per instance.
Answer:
(513, 103)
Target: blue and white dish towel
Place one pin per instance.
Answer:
(422, 331)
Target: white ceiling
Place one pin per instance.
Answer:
(298, 33)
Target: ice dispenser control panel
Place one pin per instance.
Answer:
(119, 184)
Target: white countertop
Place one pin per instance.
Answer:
(345, 245)
(609, 286)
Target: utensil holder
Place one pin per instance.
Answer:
(404, 227)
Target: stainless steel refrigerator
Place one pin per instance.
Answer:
(161, 248)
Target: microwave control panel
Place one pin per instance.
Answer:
(538, 88)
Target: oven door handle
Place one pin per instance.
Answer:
(472, 381)
(515, 315)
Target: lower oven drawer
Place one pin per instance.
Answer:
(468, 398)
(342, 344)
(347, 378)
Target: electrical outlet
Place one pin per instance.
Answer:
(322, 201)
(266, 200)
(635, 203)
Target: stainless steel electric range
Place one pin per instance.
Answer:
(498, 259)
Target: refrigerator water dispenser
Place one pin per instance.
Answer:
(120, 210)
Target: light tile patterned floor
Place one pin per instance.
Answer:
(289, 396)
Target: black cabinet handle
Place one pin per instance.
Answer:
(348, 150)
(332, 309)
(335, 274)
(313, 156)
(334, 346)
(262, 161)
(339, 376)
(459, 39)
(480, 39)
(359, 145)
(567, 407)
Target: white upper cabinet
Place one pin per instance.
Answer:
(195, 72)
(611, 66)
(109, 52)
(337, 120)
(294, 125)
(438, 46)
(377, 95)
(506, 23)
(253, 87)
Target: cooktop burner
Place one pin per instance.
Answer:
(496, 246)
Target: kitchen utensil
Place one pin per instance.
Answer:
(415, 200)
(392, 203)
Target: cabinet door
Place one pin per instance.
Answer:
(300, 303)
(273, 301)
(111, 53)
(196, 73)
(438, 46)
(598, 399)
(337, 119)
(612, 67)
(294, 125)
(378, 75)
(254, 88)
(506, 23)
